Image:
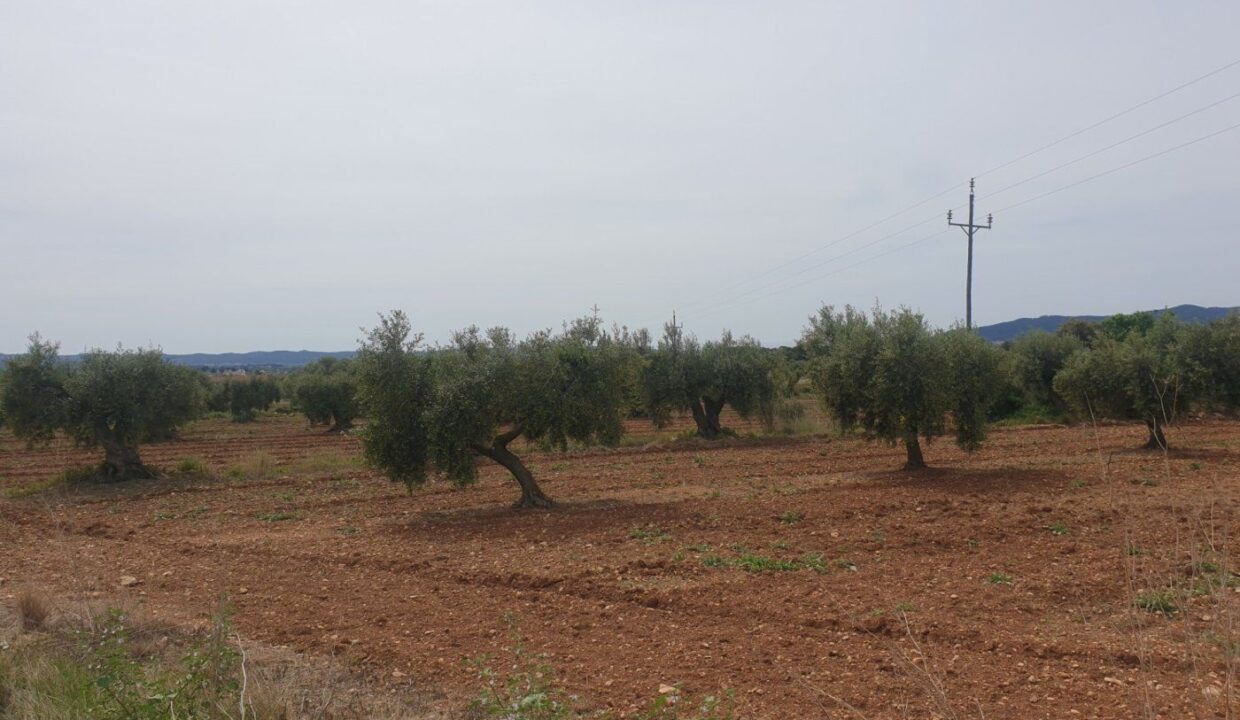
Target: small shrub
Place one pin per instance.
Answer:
(79, 475)
(649, 534)
(673, 706)
(34, 488)
(1057, 528)
(761, 563)
(33, 609)
(997, 578)
(277, 516)
(256, 466)
(813, 561)
(528, 692)
(192, 466)
(791, 518)
(1157, 601)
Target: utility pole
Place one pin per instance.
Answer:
(969, 229)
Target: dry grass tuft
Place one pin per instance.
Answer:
(33, 609)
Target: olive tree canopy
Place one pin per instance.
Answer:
(683, 375)
(1036, 358)
(1211, 354)
(325, 391)
(445, 407)
(111, 399)
(897, 380)
(1136, 375)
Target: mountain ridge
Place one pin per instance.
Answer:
(997, 332)
(1012, 329)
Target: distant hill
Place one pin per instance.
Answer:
(278, 360)
(1012, 329)
(257, 360)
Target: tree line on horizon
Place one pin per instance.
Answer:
(440, 410)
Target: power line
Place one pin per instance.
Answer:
(727, 290)
(837, 271)
(833, 258)
(827, 261)
(1117, 115)
(1026, 201)
(1125, 166)
(1128, 139)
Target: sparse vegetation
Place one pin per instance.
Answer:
(649, 534)
(192, 466)
(279, 516)
(790, 517)
(1164, 601)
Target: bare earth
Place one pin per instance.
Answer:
(999, 585)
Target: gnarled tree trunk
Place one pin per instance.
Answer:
(913, 448)
(531, 495)
(706, 417)
(699, 419)
(339, 426)
(121, 462)
(713, 408)
(1157, 440)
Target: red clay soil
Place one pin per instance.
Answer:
(998, 585)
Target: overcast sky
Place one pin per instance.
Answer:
(236, 175)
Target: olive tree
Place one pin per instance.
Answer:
(245, 398)
(895, 379)
(325, 391)
(1036, 358)
(975, 382)
(1211, 354)
(444, 408)
(683, 375)
(111, 399)
(1139, 375)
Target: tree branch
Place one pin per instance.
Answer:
(503, 439)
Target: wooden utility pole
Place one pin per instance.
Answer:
(969, 229)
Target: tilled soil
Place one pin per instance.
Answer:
(809, 575)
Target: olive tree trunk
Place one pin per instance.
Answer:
(1157, 440)
(913, 448)
(121, 462)
(339, 426)
(706, 417)
(532, 496)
